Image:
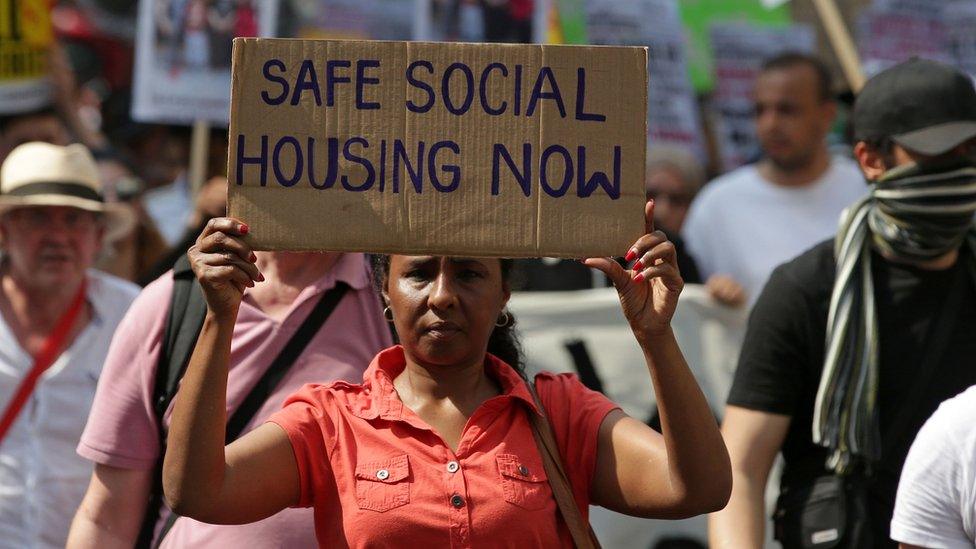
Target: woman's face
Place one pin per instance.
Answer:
(445, 308)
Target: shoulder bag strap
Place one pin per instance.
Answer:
(48, 354)
(282, 363)
(273, 375)
(562, 491)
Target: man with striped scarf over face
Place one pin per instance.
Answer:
(854, 343)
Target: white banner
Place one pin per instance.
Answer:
(560, 330)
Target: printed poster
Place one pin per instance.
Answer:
(183, 56)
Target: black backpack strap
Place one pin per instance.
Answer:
(183, 324)
(184, 320)
(272, 376)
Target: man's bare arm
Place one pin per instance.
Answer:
(753, 439)
(111, 513)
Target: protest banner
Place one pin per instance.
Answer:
(672, 108)
(584, 332)
(183, 54)
(739, 52)
(443, 148)
(26, 36)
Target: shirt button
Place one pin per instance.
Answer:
(452, 467)
(382, 474)
(457, 501)
(523, 470)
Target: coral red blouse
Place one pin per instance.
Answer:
(377, 475)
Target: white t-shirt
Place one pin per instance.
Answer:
(42, 479)
(744, 226)
(936, 502)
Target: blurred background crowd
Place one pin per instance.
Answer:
(132, 85)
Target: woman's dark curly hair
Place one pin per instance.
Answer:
(503, 342)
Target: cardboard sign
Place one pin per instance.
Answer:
(439, 148)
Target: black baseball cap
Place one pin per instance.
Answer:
(924, 106)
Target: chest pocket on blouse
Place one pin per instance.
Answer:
(523, 483)
(383, 485)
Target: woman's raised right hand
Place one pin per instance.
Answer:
(224, 264)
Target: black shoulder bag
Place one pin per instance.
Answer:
(832, 511)
(183, 324)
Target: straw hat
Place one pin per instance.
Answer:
(42, 174)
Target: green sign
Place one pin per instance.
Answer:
(697, 15)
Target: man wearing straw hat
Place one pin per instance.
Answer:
(57, 317)
(853, 344)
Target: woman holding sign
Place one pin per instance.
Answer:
(438, 445)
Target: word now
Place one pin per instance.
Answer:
(293, 86)
(291, 161)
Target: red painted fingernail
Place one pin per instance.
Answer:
(637, 266)
(244, 229)
(639, 277)
(631, 254)
(253, 257)
(260, 277)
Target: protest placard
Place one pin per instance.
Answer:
(183, 54)
(442, 148)
(25, 40)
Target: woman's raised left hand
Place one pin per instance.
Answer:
(649, 289)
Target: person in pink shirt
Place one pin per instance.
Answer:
(122, 436)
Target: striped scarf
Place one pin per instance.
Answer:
(912, 214)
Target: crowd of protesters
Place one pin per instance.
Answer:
(299, 422)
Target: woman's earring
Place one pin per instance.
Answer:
(503, 320)
(388, 314)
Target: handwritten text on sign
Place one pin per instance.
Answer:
(528, 150)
